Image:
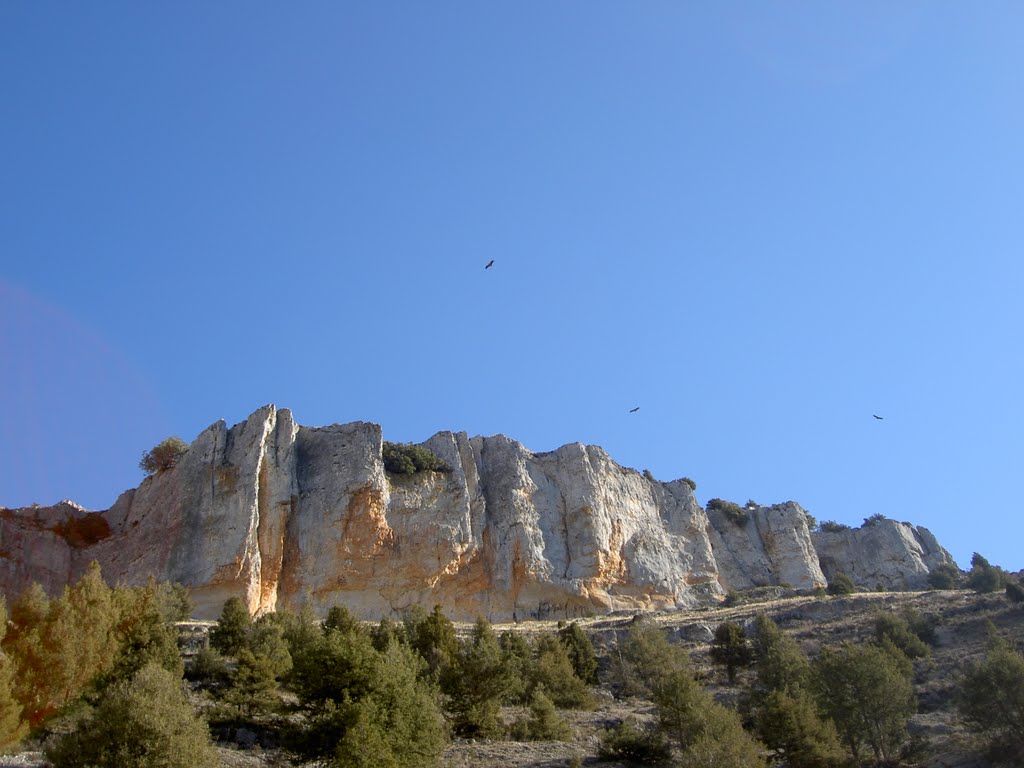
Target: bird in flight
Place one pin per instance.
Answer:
(489, 264)
(634, 410)
(877, 417)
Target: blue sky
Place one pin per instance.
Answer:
(761, 223)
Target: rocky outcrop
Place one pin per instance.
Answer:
(882, 554)
(283, 515)
(771, 545)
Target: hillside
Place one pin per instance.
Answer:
(960, 620)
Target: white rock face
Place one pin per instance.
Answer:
(772, 547)
(283, 515)
(886, 554)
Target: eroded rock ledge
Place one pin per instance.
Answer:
(281, 515)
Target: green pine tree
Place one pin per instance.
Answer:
(730, 648)
(867, 691)
(145, 722)
(267, 641)
(34, 688)
(432, 636)
(581, 652)
(339, 618)
(789, 724)
(553, 669)
(144, 635)
(544, 722)
(232, 630)
(779, 663)
(991, 700)
(10, 710)
(476, 683)
(253, 689)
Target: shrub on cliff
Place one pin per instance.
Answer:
(83, 531)
(946, 576)
(163, 456)
(408, 459)
(841, 584)
(831, 526)
(985, 577)
(876, 518)
(732, 511)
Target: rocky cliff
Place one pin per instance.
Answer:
(281, 515)
(882, 554)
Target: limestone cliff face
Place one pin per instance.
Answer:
(282, 515)
(772, 547)
(885, 554)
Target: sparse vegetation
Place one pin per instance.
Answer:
(163, 456)
(874, 519)
(632, 744)
(689, 482)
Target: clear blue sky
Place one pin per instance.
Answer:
(759, 222)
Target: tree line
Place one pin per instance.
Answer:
(96, 674)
